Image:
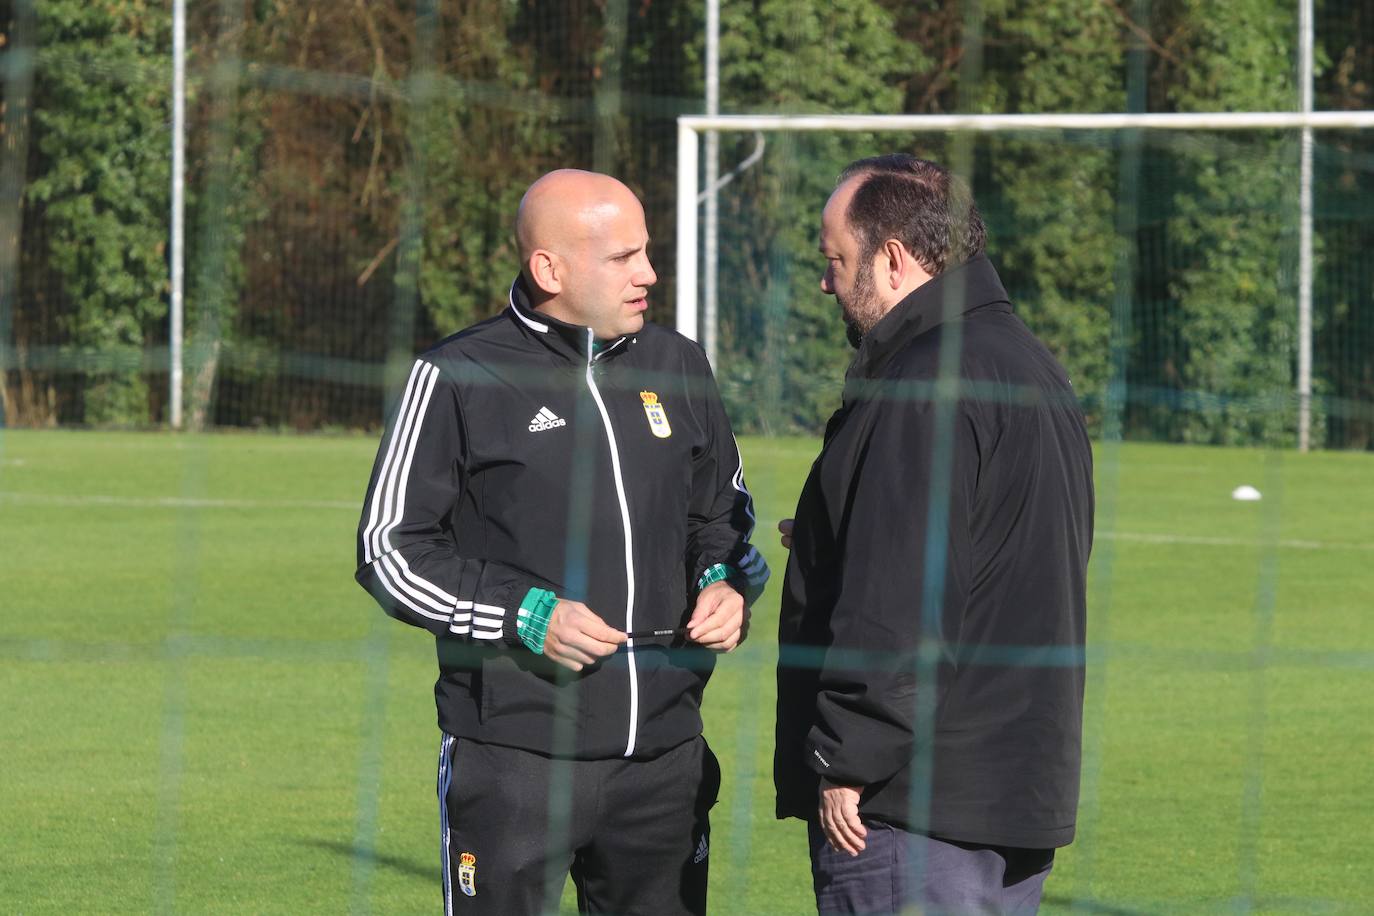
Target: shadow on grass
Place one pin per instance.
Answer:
(395, 863)
(1090, 906)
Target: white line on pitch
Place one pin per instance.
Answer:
(1142, 538)
(181, 502)
(170, 502)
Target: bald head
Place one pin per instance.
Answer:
(567, 207)
(584, 251)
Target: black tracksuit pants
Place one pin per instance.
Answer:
(634, 834)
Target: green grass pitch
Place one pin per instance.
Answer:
(203, 714)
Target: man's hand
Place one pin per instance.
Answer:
(839, 811)
(718, 620)
(578, 637)
(785, 528)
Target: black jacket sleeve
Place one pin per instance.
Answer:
(905, 581)
(720, 516)
(407, 558)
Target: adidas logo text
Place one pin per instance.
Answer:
(546, 419)
(541, 424)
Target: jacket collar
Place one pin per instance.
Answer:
(973, 284)
(570, 341)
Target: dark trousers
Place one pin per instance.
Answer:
(898, 869)
(634, 834)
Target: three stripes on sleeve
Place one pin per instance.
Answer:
(386, 510)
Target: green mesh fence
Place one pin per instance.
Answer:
(1194, 234)
(205, 713)
(353, 173)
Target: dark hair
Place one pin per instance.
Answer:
(920, 204)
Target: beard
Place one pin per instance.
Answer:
(860, 307)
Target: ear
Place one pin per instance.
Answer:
(894, 264)
(899, 267)
(546, 271)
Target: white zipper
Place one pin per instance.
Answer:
(629, 548)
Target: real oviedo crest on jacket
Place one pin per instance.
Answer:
(658, 418)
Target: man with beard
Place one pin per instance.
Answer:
(930, 680)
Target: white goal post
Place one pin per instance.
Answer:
(689, 128)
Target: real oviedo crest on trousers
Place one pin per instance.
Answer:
(467, 874)
(658, 418)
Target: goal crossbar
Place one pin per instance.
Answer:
(689, 127)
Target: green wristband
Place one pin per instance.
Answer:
(717, 573)
(532, 620)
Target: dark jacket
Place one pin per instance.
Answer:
(521, 457)
(932, 629)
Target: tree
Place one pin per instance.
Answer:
(1050, 201)
(781, 333)
(1344, 294)
(98, 189)
(1231, 228)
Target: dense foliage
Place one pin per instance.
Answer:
(355, 168)
(100, 191)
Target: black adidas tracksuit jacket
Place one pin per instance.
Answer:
(522, 456)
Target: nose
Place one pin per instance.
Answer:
(645, 276)
(827, 282)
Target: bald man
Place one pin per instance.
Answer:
(559, 500)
